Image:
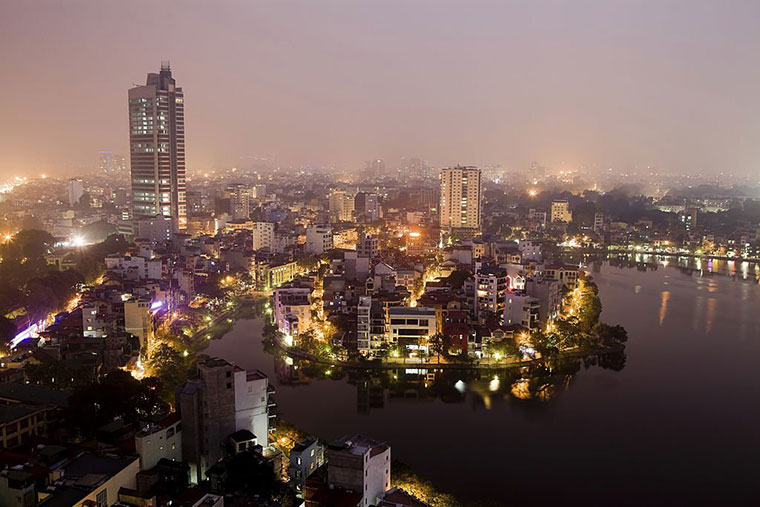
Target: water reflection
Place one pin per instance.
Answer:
(664, 298)
(482, 388)
(686, 265)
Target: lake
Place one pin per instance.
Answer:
(674, 420)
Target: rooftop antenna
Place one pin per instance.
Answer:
(165, 65)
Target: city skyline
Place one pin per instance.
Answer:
(582, 85)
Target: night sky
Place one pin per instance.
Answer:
(671, 84)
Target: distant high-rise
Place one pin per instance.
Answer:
(375, 167)
(157, 148)
(460, 199)
(111, 164)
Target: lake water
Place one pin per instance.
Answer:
(675, 421)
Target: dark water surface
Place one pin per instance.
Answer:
(675, 421)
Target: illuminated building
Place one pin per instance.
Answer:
(460, 199)
(561, 211)
(157, 148)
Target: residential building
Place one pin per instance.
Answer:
(220, 400)
(157, 148)
(491, 285)
(367, 246)
(366, 207)
(411, 328)
(566, 275)
(263, 236)
(370, 326)
(305, 458)
(521, 309)
(460, 205)
(561, 211)
(160, 440)
(598, 222)
(157, 228)
(292, 309)
(361, 465)
(341, 206)
(319, 239)
(137, 318)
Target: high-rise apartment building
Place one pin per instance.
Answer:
(366, 207)
(239, 195)
(157, 148)
(460, 199)
(110, 164)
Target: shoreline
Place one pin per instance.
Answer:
(384, 365)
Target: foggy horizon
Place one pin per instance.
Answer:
(589, 84)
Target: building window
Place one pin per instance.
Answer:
(102, 498)
(229, 385)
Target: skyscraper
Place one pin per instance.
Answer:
(460, 199)
(157, 148)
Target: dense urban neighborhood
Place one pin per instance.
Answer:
(114, 285)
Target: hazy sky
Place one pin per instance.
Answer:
(673, 84)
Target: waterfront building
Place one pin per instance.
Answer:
(411, 328)
(292, 309)
(521, 309)
(305, 458)
(370, 326)
(220, 400)
(361, 465)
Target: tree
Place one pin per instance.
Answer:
(7, 332)
(118, 395)
(610, 335)
(168, 365)
(57, 375)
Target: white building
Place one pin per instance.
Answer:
(460, 198)
(319, 239)
(530, 250)
(411, 328)
(292, 309)
(133, 267)
(160, 440)
(252, 402)
(76, 191)
(521, 309)
(263, 236)
(360, 464)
